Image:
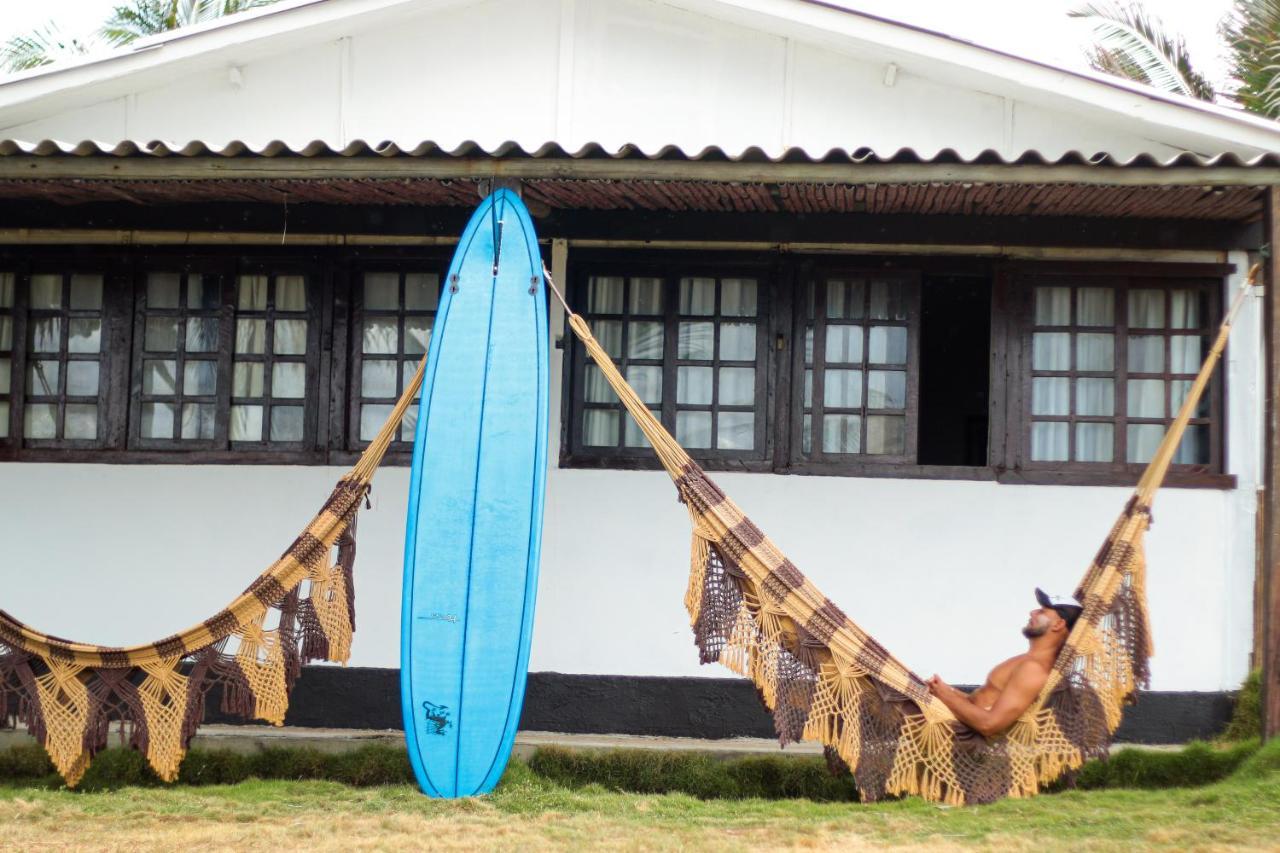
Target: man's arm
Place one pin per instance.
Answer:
(1024, 684)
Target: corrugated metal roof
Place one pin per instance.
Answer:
(595, 151)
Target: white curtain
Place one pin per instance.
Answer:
(845, 300)
(693, 386)
(380, 336)
(251, 336)
(1095, 306)
(421, 293)
(46, 292)
(1146, 309)
(197, 421)
(1095, 442)
(1186, 353)
(291, 337)
(604, 295)
(6, 368)
(887, 302)
(1051, 351)
(6, 290)
(199, 378)
(888, 345)
(1146, 398)
(1184, 309)
(377, 379)
(1050, 395)
(844, 344)
(736, 431)
(382, 291)
(1049, 441)
(291, 293)
(1053, 306)
(596, 389)
(157, 420)
(6, 333)
(1095, 397)
(886, 434)
(253, 293)
(372, 417)
(287, 423)
(737, 386)
(289, 380)
(247, 379)
(81, 421)
(645, 339)
(1146, 354)
(738, 342)
(1095, 351)
(697, 297)
(841, 434)
(646, 379)
(1141, 441)
(842, 389)
(417, 335)
(696, 341)
(600, 427)
(738, 297)
(609, 334)
(646, 296)
(693, 429)
(246, 423)
(886, 389)
(202, 334)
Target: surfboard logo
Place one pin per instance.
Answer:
(438, 718)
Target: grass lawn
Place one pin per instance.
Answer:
(529, 811)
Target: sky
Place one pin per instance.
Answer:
(1035, 28)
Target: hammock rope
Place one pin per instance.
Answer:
(825, 679)
(301, 608)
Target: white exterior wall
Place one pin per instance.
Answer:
(615, 72)
(940, 571)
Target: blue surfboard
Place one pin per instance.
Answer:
(475, 507)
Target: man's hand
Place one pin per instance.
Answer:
(937, 686)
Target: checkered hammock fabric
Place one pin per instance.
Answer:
(826, 679)
(300, 609)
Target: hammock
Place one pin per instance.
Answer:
(68, 694)
(826, 679)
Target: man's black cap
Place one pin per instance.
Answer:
(1069, 612)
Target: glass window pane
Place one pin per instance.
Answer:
(409, 425)
(1050, 395)
(421, 293)
(160, 334)
(842, 389)
(696, 341)
(1146, 398)
(6, 372)
(886, 435)
(1187, 353)
(600, 427)
(381, 336)
(842, 434)
(808, 345)
(198, 421)
(698, 298)
(286, 423)
(646, 296)
(645, 339)
(647, 380)
(886, 389)
(46, 292)
(82, 379)
(1185, 310)
(290, 337)
(202, 334)
(845, 300)
(1146, 309)
(693, 429)
(86, 295)
(291, 293)
(159, 377)
(1095, 398)
(42, 378)
(738, 342)
(199, 378)
(289, 379)
(1178, 391)
(157, 420)
(1051, 351)
(6, 289)
(247, 379)
(597, 388)
(4, 419)
(81, 422)
(738, 297)
(1095, 352)
(372, 417)
(408, 370)
(163, 289)
(808, 389)
(609, 335)
(246, 423)
(1095, 442)
(252, 294)
(1095, 306)
(1048, 441)
(377, 378)
(693, 387)
(631, 434)
(417, 335)
(736, 431)
(251, 337)
(887, 302)
(1141, 441)
(604, 295)
(382, 291)
(84, 335)
(40, 420)
(1194, 447)
(888, 345)
(202, 293)
(844, 344)
(737, 386)
(6, 333)
(1146, 354)
(46, 334)
(1053, 306)
(806, 434)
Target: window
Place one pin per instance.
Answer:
(860, 367)
(63, 371)
(395, 314)
(271, 371)
(693, 346)
(1110, 362)
(6, 352)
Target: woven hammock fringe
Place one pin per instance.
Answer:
(299, 610)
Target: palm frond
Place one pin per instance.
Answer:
(41, 46)
(1252, 32)
(1132, 44)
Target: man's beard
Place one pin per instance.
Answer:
(1033, 631)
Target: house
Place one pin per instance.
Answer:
(924, 308)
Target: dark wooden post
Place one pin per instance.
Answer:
(1271, 566)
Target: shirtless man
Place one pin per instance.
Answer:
(1013, 685)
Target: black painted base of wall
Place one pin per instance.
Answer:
(365, 698)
